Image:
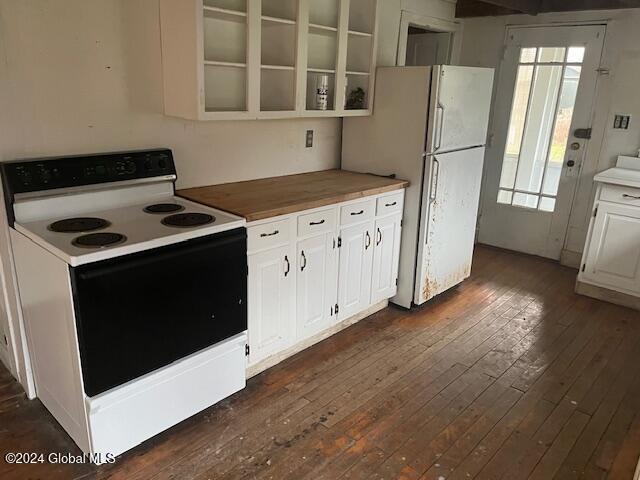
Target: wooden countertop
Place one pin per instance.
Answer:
(270, 197)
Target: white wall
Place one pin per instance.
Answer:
(617, 93)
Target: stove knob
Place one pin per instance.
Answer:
(130, 167)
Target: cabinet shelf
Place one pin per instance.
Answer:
(359, 73)
(225, 14)
(356, 33)
(215, 63)
(319, 29)
(321, 70)
(277, 67)
(278, 20)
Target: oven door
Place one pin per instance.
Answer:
(137, 313)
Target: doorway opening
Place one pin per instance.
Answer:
(427, 47)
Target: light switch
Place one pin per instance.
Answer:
(621, 122)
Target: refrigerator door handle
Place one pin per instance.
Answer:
(433, 191)
(439, 126)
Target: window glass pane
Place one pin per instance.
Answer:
(525, 200)
(551, 54)
(504, 197)
(516, 126)
(575, 55)
(561, 130)
(528, 55)
(535, 142)
(547, 204)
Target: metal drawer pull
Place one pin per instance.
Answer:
(626, 195)
(304, 262)
(379, 237)
(367, 243)
(269, 234)
(317, 223)
(390, 204)
(357, 213)
(286, 272)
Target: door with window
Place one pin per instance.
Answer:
(542, 117)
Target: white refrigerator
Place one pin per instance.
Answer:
(429, 126)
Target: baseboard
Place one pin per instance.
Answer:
(571, 259)
(269, 362)
(607, 295)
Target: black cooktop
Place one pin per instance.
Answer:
(163, 208)
(186, 220)
(98, 240)
(79, 224)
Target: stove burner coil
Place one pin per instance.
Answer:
(163, 208)
(77, 225)
(186, 220)
(99, 240)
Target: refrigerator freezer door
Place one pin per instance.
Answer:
(448, 225)
(459, 108)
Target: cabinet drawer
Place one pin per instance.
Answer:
(357, 212)
(620, 194)
(268, 235)
(389, 204)
(317, 222)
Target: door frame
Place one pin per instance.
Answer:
(591, 145)
(435, 24)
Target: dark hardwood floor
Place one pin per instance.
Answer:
(511, 375)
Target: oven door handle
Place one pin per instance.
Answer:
(120, 264)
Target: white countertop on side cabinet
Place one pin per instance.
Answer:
(626, 172)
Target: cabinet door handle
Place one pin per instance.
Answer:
(357, 213)
(317, 223)
(391, 204)
(286, 272)
(379, 237)
(269, 234)
(367, 242)
(304, 262)
(626, 195)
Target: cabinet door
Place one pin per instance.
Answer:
(386, 254)
(356, 260)
(315, 284)
(613, 258)
(270, 305)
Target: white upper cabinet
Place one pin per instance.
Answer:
(247, 59)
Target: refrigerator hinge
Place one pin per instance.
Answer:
(401, 222)
(595, 212)
(246, 350)
(396, 282)
(339, 242)
(336, 309)
(584, 266)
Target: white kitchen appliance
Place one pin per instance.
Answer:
(429, 127)
(133, 299)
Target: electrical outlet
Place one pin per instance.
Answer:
(621, 122)
(309, 139)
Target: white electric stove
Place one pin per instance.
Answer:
(133, 299)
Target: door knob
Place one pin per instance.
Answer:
(571, 163)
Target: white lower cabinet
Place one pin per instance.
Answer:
(315, 284)
(271, 302)
(613, 257)
(311, 270)
(386, 255)
(356, 262)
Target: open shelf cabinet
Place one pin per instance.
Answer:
(248, 59)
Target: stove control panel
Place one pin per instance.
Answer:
(26, 176)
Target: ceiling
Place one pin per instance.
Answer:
(483, 8)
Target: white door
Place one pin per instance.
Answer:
(356, 261)
(613, 258)
(545, 94)
(315, 284)
(448, 225)
(270, 307)
(386, 253)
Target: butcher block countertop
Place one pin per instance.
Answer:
(270, 197)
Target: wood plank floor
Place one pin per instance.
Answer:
(511, 375)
